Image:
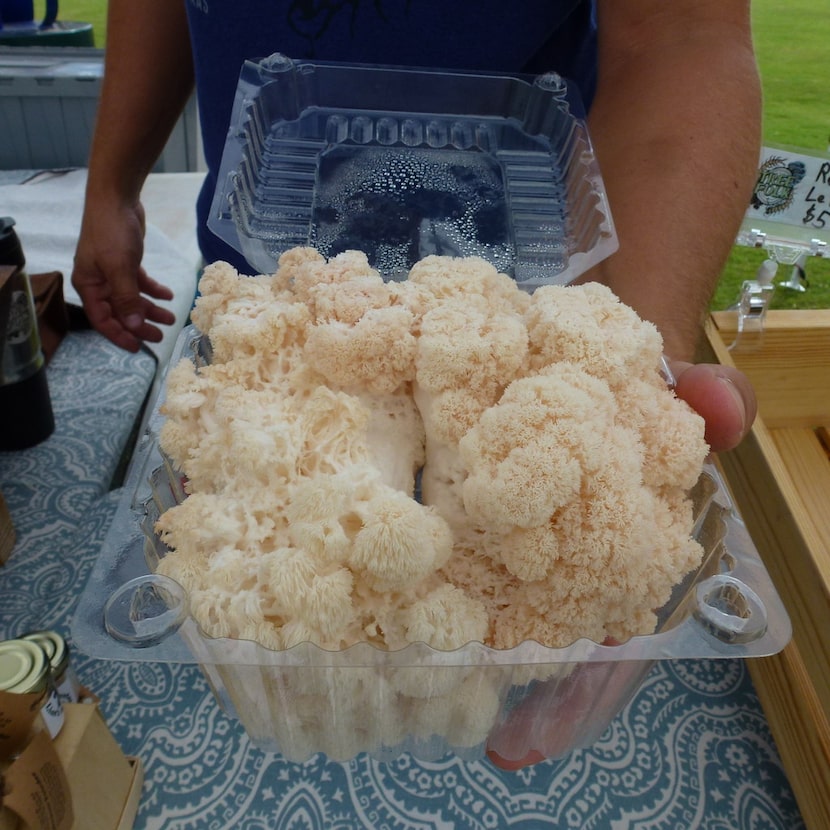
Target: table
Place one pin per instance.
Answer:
(47, 207)
(692, 750)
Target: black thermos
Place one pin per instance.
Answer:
(26, 416)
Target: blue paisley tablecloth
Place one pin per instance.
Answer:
(691, 750)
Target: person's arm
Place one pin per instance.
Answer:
(676, 129)
(676, 126)
(148, 77)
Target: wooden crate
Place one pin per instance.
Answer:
(780, 481)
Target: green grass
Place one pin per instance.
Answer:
(791, 40)
(84, 11)
(792, 44)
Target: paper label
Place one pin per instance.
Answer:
(69, 688)
(793, 188)
(36, 788)
(52, 712)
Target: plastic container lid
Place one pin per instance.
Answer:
(401, 163)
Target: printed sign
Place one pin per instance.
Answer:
(792, 188)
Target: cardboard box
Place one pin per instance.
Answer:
(101, 778)
(130, 809)
(36, 793)
(780, 481)
(80, 781)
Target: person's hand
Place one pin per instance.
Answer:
(552, 720)
(117, 293)
(722, 395)
(563, 713)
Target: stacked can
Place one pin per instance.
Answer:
(38, 664)
(25, 670)
(57, 652)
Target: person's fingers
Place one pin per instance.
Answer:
(149, 333)
(101, 319)
(722, 395)
(561, 713)
(127, 305)
(113, 329)
(117, 293)
(532, 757)
(121, 337)
(96, 295)
(143, 329)
(158, 314)
(131, 305)
(152, 288)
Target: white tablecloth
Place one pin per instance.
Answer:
(47, 210)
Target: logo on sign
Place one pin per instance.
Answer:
(776, 184)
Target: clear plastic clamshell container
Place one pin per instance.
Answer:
(402, 163)
(305, 699)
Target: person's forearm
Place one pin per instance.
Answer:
(676, 129)
(148, 77)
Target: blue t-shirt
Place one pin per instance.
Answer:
(530, 37)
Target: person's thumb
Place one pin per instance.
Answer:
(722, 395)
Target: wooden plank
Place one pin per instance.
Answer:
(805, 458)
(777, 320)
(795, 714)
(779, 482)
(783, 532)
(789, 365)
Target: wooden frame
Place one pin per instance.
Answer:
(780, 481)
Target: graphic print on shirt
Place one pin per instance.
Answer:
(311, 19)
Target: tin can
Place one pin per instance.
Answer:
(57, 653)
(25, 669)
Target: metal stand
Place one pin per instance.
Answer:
(752, 306)
(798, 275)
